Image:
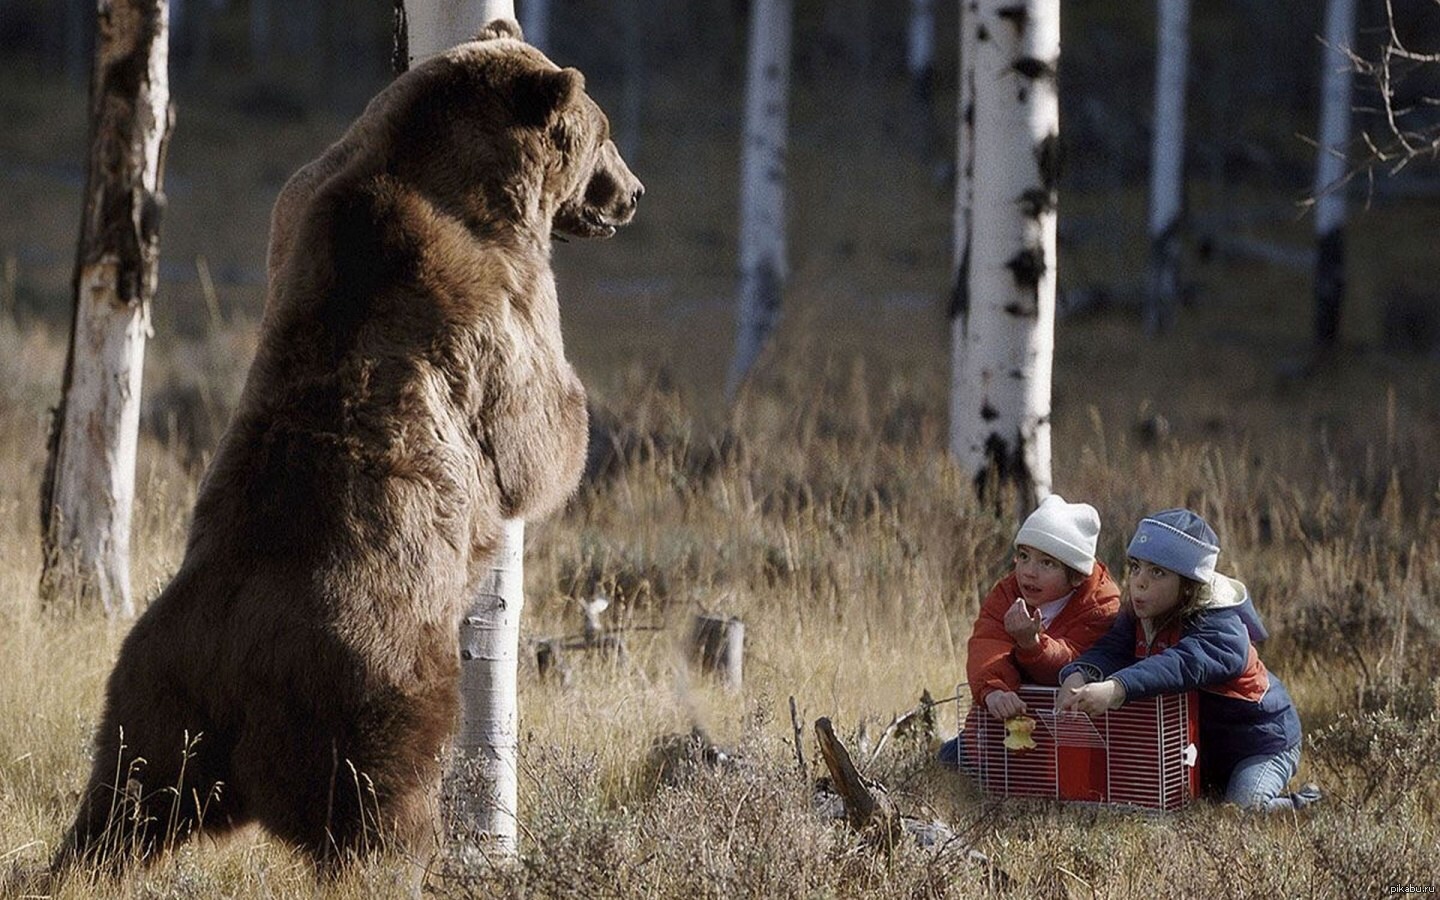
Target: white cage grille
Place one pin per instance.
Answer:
(1141, 755)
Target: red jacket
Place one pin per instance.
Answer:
(995, 663)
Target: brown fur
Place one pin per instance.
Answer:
(409, 392)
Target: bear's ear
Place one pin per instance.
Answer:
(541, 94)
(501, 28)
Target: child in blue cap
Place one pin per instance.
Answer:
(1182, 626)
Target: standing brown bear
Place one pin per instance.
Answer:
(410, 391)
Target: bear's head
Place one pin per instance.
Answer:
(498, 134)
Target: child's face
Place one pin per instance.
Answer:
(1042, 577)
(1154, 590)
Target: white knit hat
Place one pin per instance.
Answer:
(1066, 531)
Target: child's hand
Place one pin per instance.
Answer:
(1092, 699)
(1004, 704)
(1072, 683)
(1024, 625)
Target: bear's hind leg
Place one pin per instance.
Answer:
(339, 797)
(360, 818)
(146, 796)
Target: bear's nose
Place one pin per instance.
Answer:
(634, 199)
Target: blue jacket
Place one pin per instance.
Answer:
(1244, 709)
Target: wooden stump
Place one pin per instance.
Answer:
(548, 659)
(870, 812)
(719, 645)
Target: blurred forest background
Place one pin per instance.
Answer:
(261, 87)
(820, 508)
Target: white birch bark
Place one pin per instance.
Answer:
(1337, 82)
(1167, 162)
(1001, 424)
(535, 22)
(490, 632)
(964, 198)
(489, 666)
(437, 25)
(762, 185)
(89, 487)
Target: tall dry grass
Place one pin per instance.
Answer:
(823, 512)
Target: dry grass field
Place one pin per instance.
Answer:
(823, 512)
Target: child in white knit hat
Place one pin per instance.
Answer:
(1056, 601)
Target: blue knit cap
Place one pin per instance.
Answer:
(1180, 541)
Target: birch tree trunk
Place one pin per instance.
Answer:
(1001, 408)
(535, 22)
(1335, 118)
(435, 26)
(633, 97)
(762, 185)
(89, 484)
(964, 200)
(920, 47)
(920, 66)
(490, 632)
(489, 666)
(1167, 162)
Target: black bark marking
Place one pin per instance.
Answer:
(982, 33)
(1033, 68)
(1163, 285)
(988, 412)
(1027, 266)
(1006, 464)
(960, 288)
(1035, 201)
(1329, 286)
(767, 292)
(1015, 15)
(1050, 156)
(400, 46)
(152, 209)
(1022, 95)
(128, 219)
(52, 455)
(969, 115)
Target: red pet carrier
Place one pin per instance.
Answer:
(1142, 754)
